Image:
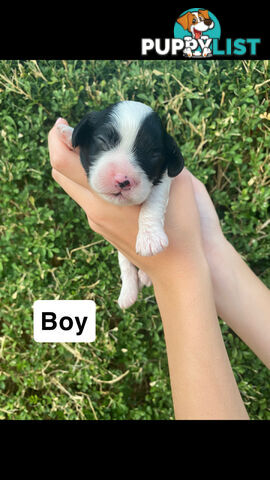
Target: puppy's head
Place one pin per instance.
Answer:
(196, 22)
(125, 150)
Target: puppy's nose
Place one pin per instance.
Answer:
(126, 183)
(208, 21)
(122, 181)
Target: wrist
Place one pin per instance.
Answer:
(177, 268)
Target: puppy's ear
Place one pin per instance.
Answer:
(83, 131)
(175, 161)
(204, 13)
(185, 20)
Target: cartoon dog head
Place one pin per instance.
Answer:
(196, 22)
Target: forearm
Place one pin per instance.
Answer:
(242, 300)
(202, 381)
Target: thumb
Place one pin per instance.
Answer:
(60, 120)
(64, 132)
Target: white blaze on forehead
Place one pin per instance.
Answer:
(128, 117)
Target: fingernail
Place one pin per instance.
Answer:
(59, 120)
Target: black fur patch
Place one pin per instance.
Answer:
(94, 134)
(156, 151)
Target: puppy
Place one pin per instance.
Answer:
(197, 23)
(129, 159)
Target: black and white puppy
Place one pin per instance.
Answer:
(129, 159)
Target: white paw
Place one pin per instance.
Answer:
(65, 133)
(144, 280)
(128, 296)
(148, 244)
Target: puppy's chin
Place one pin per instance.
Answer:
(119, 200)
(135, 196)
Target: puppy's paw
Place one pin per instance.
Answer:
(128, 296)
(151, 243)
(65, 133)
(144, 280)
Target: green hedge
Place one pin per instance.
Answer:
(217, 111)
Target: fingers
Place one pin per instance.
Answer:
(197, 184)
(98, 211)
(83, 196)
(63, 159)
(181, 200)
(202, 196)
(65, 132)
(209, 221)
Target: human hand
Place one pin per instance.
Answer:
(194, 233)
(119, 224)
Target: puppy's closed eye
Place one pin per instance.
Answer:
(102, 142)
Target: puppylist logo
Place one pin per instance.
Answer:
(196, 35)
(197, 28)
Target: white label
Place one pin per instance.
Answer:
(64, 321)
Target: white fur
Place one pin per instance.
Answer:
(128, 117)
(130, 282)
(151, 238)
(120, 152)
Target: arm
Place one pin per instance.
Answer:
(203, 384)
(202, 381)
(241, 299)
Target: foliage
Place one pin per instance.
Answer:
(217, 111)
